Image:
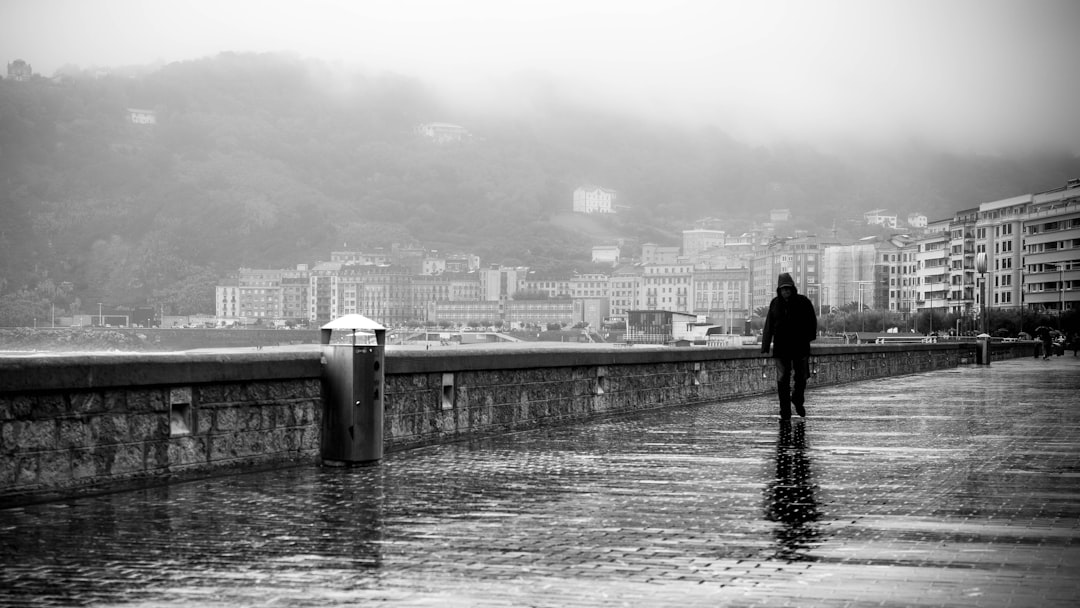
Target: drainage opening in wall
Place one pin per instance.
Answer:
(448, 394)
(180, 419)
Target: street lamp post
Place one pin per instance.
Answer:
(980, 267)
(1060, 289)
(100, 320)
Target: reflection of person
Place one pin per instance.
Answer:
(789, 498)
(790, 326)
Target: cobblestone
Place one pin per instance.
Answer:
(957, 488)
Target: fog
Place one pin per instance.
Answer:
(986, 76)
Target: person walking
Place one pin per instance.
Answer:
(790, 327)
(1046, 339)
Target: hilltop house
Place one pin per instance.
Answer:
(594, 199)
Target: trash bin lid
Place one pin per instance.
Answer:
(353, 321)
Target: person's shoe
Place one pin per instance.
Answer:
(800, 410)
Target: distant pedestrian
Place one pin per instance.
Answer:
(790, 327)
(1074, 342)
(1046, 337)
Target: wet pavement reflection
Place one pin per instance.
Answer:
(956, 488)
(790, 496)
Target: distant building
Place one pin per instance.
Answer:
(699, 240)
(658, 326)
(594, 199)
(605, 254)
(916, 220)
(779, 215)
(651, 253)
(442, 132)
(142, 117)
(880, 217)
(19, 71)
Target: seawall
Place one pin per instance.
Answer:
(74, 424)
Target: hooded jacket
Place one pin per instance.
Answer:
(790, 325)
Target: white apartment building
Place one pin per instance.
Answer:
(722, 297)
(1051, 255)
(626, 290)
(932, 268)
(668, 287)
(227, 301)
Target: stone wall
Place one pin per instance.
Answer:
(70, 424)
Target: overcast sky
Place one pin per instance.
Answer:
(978, 75)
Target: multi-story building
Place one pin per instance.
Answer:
(501, 282)
(19, 71)
(380, 293)
(849, 273)
(1051, 251)
(428, 289)
(590, 286)
(721, 297)
(594, 199)
(259, 293)
(605, 254)
(797, 256)
(323, 293)
(651, 253)
(552, 285)
(697, 241)
(962, 250)
(442, 132)
(227, 301)
(932, 272)
(668, 287)
(880, 217)
(625, 290)
(488, 312)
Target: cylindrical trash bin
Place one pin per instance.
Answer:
(353, 357)
(982, 349)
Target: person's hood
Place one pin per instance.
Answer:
(785, 280)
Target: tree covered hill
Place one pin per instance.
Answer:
(273, 160)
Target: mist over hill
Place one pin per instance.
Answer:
(272, 160)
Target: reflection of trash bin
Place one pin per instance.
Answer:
(353, 351)
(982, 349)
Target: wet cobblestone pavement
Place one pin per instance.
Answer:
(956, 488)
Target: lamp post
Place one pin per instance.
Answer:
(862, 306)
(980, 267)
(100, 320)
(1060, 289)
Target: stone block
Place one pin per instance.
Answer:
(227, 419)
(109, 429)
(252, 417)
(16, 406)
(126, 459)
(73, 433)
(19, 435)
(115, 400)
(83, 464)
(147, 401)
(221, 446)
(54, 468)
(50, 405)
(149, 427)
(186, 450)
(26, 470)
(82, 404)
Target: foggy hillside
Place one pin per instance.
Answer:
(269, 161)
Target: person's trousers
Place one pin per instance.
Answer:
(789, 395)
